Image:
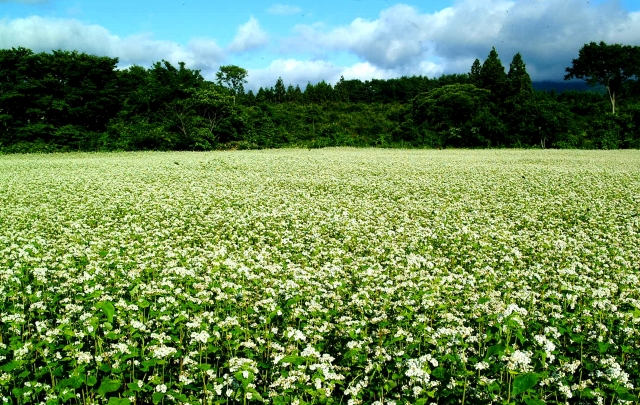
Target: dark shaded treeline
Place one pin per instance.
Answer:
(74, 101)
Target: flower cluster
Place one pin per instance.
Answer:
(325, 276)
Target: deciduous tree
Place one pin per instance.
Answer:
(233, 77)
(609, 65)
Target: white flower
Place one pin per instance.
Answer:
(565, 390)
(161, 352)
(519, 361)
(200, 337)
(161, 388)
(84, 357)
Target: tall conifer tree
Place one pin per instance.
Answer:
(493, 76)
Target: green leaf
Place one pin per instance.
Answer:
(438, 373)
(389, 385)
(494, 350)
(108, 309)
(534, 402)
(70, 382)
(292, 301)
(293, 359)
(119, 401)
(92, 380)
(144, 303)
(147, 364)
(603, 347)
(255, 394)
(157, 397)
(11, 366)
(524, 382)
(133, 386)
(577, 338)
(109, 386)
(625, 395)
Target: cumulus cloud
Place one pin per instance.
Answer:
(548, 33)
(249, 36)
(301, 72)
(292, 71)
(46, 34)
(284, 9)
(397, 38)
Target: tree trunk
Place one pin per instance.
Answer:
(612, 99)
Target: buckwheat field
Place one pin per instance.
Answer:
(333, 276)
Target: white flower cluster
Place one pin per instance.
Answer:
(519, 361)
(200, 337)
(369, 271)
(160, 352)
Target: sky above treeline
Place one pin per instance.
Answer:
(309, 40)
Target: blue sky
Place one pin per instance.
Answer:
(305, 40)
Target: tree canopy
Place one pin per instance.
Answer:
(233, 77)
(612, 66)
(64, 100)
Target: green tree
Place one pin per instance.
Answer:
(279, 91)
(515, 108)
(294, 94)
(232, 77)
(475, 74)
(518, 81)
(609, 65)
(493, 76)
(60, 98)
(460, 115)
(157, 108)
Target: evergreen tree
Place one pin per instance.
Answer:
(493, 76)
(475, 75)
(294, 94)
(279, 91)
(519, 82)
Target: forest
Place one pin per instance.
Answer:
(72, 101)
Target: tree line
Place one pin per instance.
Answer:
(63, 101)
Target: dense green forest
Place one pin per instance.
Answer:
(63, 101)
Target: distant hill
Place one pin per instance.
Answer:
(567, 86)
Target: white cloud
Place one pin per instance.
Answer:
(46, 34)
(300, 72)
(293, 72)
(548, 33)
(284, 9)
(395, 39)
(249, 36)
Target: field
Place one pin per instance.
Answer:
(320, 277)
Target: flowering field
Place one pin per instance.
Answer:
(320, 277)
